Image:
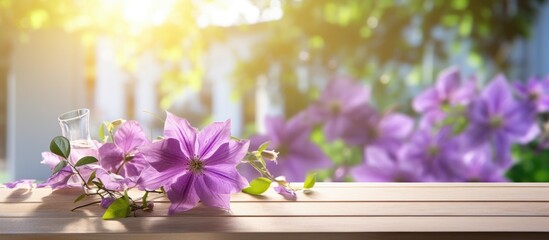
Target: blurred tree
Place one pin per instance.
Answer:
(383, 41)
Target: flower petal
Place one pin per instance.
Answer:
(111, 181)
(275, 129)
(498, 95)
(447, 82)
(334, 128)
(229, 153)
(182, 194)
(223, 179)
(111, 156)
(181, 130)
(151, 179)
(426, 101)
(287, 194)
(17, 183)
(50, 159)
(297, 127)
(210, 198)
(129, 136)
(465, 94)
(134, 167)
(166, 155)
(58, 180)
(213, 136)
(396, 125)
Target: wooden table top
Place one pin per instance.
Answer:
(329, 211)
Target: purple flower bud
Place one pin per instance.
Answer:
(106, 202)
(286, 193)
(150, 206)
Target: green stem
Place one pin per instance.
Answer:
(85, 205)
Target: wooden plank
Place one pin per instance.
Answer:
(242, 209)
(343, 194)
(191, 224)
(286, 236)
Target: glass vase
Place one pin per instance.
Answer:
(75, 126)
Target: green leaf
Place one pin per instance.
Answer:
(120, 208)
(79, 198)
(98, 183)
(310, 181)
(263, 146)
(61, 146)
(92, 176)
(258, 186)
(86, 160)
(59, 166)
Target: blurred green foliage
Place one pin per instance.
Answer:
(383, 42)
(532, 164)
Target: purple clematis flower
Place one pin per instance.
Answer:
(448, 91)
(193, 166)
(122, 157)
(368, 127)
(535, 93)
(381, 165)
(480, 166)
(297, 155)
(439, 154)
(495, 117)
(340, 98)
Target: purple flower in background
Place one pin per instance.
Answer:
(448, 91)
(535, 93)
(479, 166)
(194, 165)
(297, 155)
(368, 127)
(122, 157)
(495, 117)
(439, 154)
(340, 98)
(381, 165)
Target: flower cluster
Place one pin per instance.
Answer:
(460, 132)
(186, 165)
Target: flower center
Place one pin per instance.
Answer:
(371, 132)
(496, 122)
(433, 151)
(533, 96)
(334, 107)
(196, 165)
